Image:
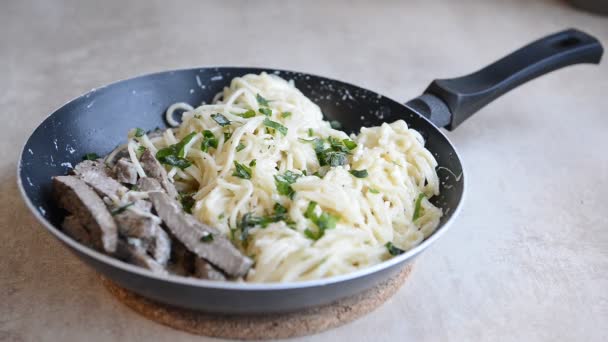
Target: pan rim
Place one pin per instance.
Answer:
(240, 286)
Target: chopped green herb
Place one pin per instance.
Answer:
(241, 171)
(374, 191)
(311, 132)
(252, 163)
(187, 203)
(139, 132)
(285, 114)
(262, 101)
(182, 144)
(227, 136)
(221, 216)
(175, 154)
(198, 116)
(173, 160)
(266, 111)
(337, 145)
(318, 145)
(248, 114)
(220, 119)
(240, 147)
(207, 238)
(351, 145)
(121, 209)
(275, 125)
(323, 222)
(279, 209)
(418, 207)
(90, 156)
(335, 124)
(284, 181)
(393, 250)
(304, 172)
(334, 158)
(141, 149)
(209, 140)
(359, 173)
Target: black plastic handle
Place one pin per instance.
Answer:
(463, 96)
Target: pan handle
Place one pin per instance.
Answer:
(448, 102)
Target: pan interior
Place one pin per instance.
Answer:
(99, 120)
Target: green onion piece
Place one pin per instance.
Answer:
(266, 111)
(248, 114)
(139, 132)
(374, 191)
(311, 132)
(220, 119)
(359, 173)
(283, 183)
(141, 149)
(393, 250)
(310, 210)
(121, 209)
(418, 207)
(335, 159)
(182, 144)
(90, 156)
(323, 222)
(207, 238)
(187, 203)
(227, 136)
(285, 114)
(241, 171)
(240, 147)
(252, 163)
(261, 101)
(351, 145)
(173, 160)
(275, 125)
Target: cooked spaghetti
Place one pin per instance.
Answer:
(302, 199)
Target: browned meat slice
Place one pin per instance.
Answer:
(72, 226)
(134, 252)
(204, 270)
(99, 176)
(161, 246)
(155, 170)
(132, 224)
(75, 196)
(195, 236)
(125, 171)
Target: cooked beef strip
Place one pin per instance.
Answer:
(204, 270)
(134, 252)
(155, 170)
(160, 248)
(219, 251)
(149, 184)
(75, 196)
(132, 224)
(72, 226)
(99, 177)
(125, 171)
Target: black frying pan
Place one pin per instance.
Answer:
(99, 120)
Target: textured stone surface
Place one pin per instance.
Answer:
(528, 257)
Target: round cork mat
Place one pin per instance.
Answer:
(268, 326)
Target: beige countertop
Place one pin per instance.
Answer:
(526, 261)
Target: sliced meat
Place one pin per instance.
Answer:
(133, 252)
(99, 177)
(119, 152)
(72, 226)
(161, 246)
(125, 171)
(149, 184)
(138, 223)
(204, 270)
(75, 196)
(155, 170)
(218, 250)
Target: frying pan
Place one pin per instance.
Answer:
(99, 120)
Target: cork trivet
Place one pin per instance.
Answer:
(268, 326)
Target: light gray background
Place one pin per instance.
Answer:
(528, 257)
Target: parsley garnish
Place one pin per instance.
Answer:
(323, 222)
(286, 114)
(209, 140)
(187, 203)
(359, 173)
(252, 163)
(241, 171)
(121, 209)
(334, 158)
(249, 221)
(284, 181)
(248, 114)
(227, 135)
(90, 156)
(351, 145)
(261, 101)
(418, 207)
(220, 119)
(393, 250)
(173, 160)
(275, 125)
(141, 149)
(207, 238)
(240, 147)
(139, 132)
(175, 154)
